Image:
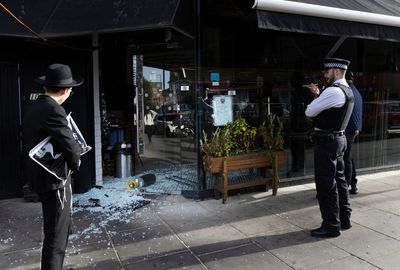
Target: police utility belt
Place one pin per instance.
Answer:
(324, 136)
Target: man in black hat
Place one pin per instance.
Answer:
(46, 117)
(330, 111)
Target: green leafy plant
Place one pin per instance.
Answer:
(271, 133)
(235, 138)
(214, 146)
(241, 135)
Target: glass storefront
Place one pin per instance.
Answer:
(263, 71)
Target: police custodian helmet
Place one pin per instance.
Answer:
(335, 63)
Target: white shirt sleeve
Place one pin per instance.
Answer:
(332, 97)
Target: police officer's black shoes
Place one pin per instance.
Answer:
(321, 232)
(345, 225)
(354, 190)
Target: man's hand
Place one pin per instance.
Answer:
(314, 89)
(79, 165)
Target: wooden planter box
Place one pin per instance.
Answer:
(221, 166)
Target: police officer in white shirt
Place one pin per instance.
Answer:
(330, 112)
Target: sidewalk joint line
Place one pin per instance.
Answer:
(182, 242)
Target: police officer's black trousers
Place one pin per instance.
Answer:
(331, 184)
(56, 207)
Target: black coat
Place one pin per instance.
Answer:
(46, 117)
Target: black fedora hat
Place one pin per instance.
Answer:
(59, 75)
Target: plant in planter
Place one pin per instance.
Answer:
(215, 146)
(271, 134)
(230, 149)
(235, 138)
(240, 136)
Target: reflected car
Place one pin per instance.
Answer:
(173, 123)
(381, 117)
(166, 124)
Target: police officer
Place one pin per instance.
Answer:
(330, 112)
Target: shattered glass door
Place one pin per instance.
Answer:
(165, 129)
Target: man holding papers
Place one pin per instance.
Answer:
(43, 119)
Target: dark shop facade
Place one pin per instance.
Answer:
(148, 64)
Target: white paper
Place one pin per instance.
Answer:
(52, 159)
(222, 110)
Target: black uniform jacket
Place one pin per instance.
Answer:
(46, 117)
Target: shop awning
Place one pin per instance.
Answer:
(63, 18)
(370, 19)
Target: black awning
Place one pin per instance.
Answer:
(379, 20)
(79, 17)
(328, 27)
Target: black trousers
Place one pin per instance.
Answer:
(349, 168)
(56, 207)
(150, 130)
(331, 184)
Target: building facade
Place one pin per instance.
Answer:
(259, 55)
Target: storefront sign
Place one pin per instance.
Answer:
(214, 76)
(185, 86)
(222, 110)
(34, 96)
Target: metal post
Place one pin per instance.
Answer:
(96, 111)
(201, 176)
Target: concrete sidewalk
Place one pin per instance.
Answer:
(251, 231)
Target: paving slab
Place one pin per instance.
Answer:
(214, 238)
(14, 239)
(260, 225)
(187, 212)
(387, 204)
(347, 263)
(306, 218)
(371, 199)
(27, 259)
(240, 212)
(248, 256)
(298, 249)
(146, 243)
(180, 261)
(92, 256)
(365, 243)
(388, 261)
(391, 180)
(91, 232)
(306, 255)
(283, 203)
(375, 186)
(296, 189)
(142, 218)
(393, 193)
(378, 220)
